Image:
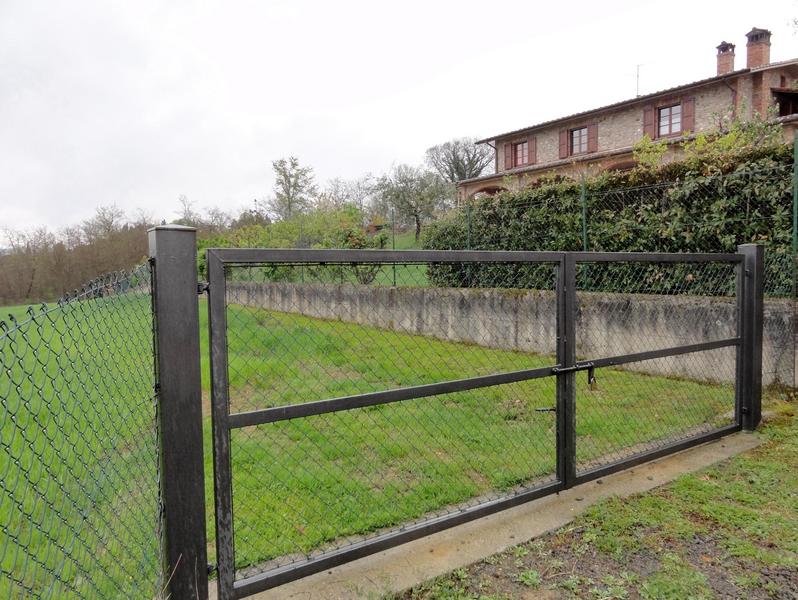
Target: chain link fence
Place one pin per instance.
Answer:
(710, 213)
(369, 398)
(333, 480)
(625, 308)
(79, 462)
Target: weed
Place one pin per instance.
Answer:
(530, 578)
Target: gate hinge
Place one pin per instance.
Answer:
(202, 287)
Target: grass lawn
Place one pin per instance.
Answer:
(301, 485)
(78, 496)
(78, 459)
(730, 531)
(405, 240)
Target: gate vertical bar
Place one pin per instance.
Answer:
(220, 412)
(739, 371)
(566, 382)
(173, 250)
(753, 312)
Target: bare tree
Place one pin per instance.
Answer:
(217, 220)
(294, 188)
(106, 220)
(414, 193)
(188, 214)
(459, 159)
(339, 192)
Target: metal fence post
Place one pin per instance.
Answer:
(795, 197)
(468, 225)
(752, 316)
(794, 257)
(566, 382)
(583, 202)
(173, 250)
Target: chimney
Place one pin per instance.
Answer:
(725, 58)
(758, 48)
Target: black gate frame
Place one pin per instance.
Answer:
(748, 386)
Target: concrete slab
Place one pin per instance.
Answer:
(400, 568)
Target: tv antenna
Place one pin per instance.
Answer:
(637, 80)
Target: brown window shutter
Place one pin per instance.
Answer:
(532, 147)
(563, 143)
(688, 114)
(648, 122)
(592, 137)
(508, 156)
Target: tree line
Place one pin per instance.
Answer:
(43, 265)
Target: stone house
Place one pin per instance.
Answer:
(603, 138)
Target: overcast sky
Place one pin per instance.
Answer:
(136, 102)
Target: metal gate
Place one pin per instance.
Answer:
(362, 399)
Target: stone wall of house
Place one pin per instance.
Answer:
(623, 127)
(525, 320)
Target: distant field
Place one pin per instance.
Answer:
(298, 485)
(405, 241)
(18, 312)
(409, 276)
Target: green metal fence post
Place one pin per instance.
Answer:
(468, 225)
(469, 282)
(393, 241)
(583, 200)
(795, 197)
(794, 257)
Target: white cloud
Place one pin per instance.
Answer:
(134, 103)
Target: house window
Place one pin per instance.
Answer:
(787, 102)
(669, 119)
(520, 154)
(578, 142)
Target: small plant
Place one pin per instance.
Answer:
(520, 551)
(749, 580)
(572, 583)
(530, 578)
(609, 593)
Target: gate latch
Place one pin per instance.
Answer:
(588, 366)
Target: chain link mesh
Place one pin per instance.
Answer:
(79, 492)
(626, 308)
(710, 213)
(305, 332)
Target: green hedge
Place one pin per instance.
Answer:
(689, 206)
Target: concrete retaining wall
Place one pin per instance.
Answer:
(607, 324)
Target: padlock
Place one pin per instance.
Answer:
(592, 385)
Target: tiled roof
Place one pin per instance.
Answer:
(643, 98)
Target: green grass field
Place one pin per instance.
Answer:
(78, 505)
(727, 531)
(298, 485)
(301, 485)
